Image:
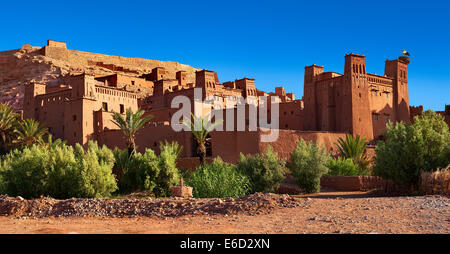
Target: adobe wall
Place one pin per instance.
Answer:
(49, 110)
(140, 64)
(191, 163)
(287, 141)
(229, 145)
(150, 137)
(56, 52)
(291, 115)
(381, 98)
(352, 183)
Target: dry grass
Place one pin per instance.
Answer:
(436, 182)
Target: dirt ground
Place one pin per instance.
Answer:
(329, 212)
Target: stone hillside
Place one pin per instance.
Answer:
(49, 64)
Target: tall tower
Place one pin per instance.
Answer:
(247, 85)
(310, 96)
(355, 110)
(79, 117)
(398, 70)
(207, 80)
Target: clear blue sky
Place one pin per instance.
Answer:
(270, 41)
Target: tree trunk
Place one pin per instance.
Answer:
(131, 148)
(202, 153)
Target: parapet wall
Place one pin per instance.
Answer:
(352, 183)
(287, 141)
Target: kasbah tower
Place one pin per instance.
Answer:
(356, 102)
(77, 104)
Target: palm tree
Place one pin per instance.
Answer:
(8, 122)
(50, 143)
(354, 148)
(130, 125)
(200, 130)
(30, 132)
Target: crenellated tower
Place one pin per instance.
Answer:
(310, 96)
(355, 113)
(398, 70)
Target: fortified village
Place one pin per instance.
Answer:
(74, 93)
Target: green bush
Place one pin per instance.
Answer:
(168, 174)
(218, 180)
(409, 148)
(265, 171)
(136, 172)
(307, 164)
(341, 167)
(148, 172)
(59, 171)
(355, 148)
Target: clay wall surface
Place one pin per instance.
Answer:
(140, 64)
(287, 141)
(150, 137)
(381, 102)
(291, 115)
(50, 109)
(352, 183)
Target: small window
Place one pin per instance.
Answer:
(105, 106)
(375, 117)
(122, 109)
(386, 118)
(387, 95)
(132, 82)
(74, 117)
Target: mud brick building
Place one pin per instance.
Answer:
(78, 107)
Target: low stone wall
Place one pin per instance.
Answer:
(352, 183)
(191, 163)
(337, 183)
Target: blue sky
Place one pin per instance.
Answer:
(270, 41)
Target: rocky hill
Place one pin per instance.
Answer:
(49, 64)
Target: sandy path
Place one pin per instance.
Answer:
(333, 214)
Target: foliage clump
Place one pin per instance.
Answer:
(59, 171)
(265, 171)
(341, 167)
(354, 148)
(307, 164)
(410, 148)
(148, 172)
(218, 180)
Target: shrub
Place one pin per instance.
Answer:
(341, 167)
(265, 171)
(168, 174)
(355, 148)
(307, 164)
(148, 172)
(59, 171)
(218, 180)
(136, 172)
(95, 166)
(408, 148)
